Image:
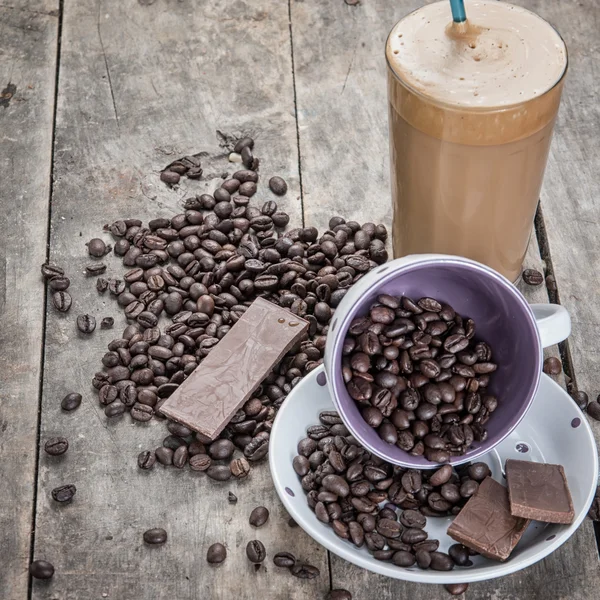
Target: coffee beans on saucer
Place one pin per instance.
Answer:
(419, 376)
(371, 503)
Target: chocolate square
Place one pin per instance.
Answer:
(485, 523)
(539, 491)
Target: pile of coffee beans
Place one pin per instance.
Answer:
(384, 507)
(201, 269)
(419, 377)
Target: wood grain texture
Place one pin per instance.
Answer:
(342, 116)
(28, 41)
(142, 83)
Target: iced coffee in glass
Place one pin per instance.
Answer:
(472, 106)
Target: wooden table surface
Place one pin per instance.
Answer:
(107, 93)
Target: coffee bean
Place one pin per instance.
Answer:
(50, 270)
(216, 554)
(552, 366)
(259, 516)
(200, 462)
(441, 562)
(59, 283)
(403, 559)
(86, 323)
(164, 456)
(232, 498)
(593, 410)
(533, 277)
(64, 493)
(107, 323)
(170, 177)
(95, 269)
(141, 412)
(255, 551)
(71, 401)
(56, 446)
(441, 476)
(146, 460)
(580, 398)
(155, 536)
(456, 589)
(62, 301)
(339, 594)
(41, 569)
(239, 468)
(278, 186)
(460, 555)
(479, 471)
(221, 449)
(284, 559)
(219, 472)
(304, 571)
(96, 247)
(412, 519)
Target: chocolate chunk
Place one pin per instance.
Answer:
(485, 523)
(235, 367)
(539, 491)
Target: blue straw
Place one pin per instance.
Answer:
(458, 11)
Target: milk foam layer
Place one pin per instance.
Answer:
(502, 55)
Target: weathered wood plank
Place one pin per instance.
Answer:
(141, 84)
(571, 191)
(28, 34)
(342, 116)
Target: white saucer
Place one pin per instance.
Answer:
(553, 431)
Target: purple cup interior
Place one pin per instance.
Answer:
(502, 318)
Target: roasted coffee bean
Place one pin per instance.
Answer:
(278, 186)
(456, 589)
(552, 366)
(413, 535)
(239, 468)
(216, 554)
(219, 472)
(403, 559)
(412, 519)
(107, 323)
(200, 462)
(259, 516)
(339, 594)
(180, 457)
(64, 493)
(50, 270)
(56, 446)
(59, 283)
(41, 569)
(62, 301)
(155, 536)
(304, 571)
(71, 401)
(86, 323)
(146, 460)
(255, 551)
(593, 410)
(441, 562)
(533, 277)
(460, 555)
(284, 559)
(468, 488)
(478, 471)
(96, 247)
(141, 412)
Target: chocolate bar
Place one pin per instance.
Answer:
(235, 367)
(539, 491)
(485, 523)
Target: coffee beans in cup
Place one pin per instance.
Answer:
(419, 376)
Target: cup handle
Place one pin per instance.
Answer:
(553, 322)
